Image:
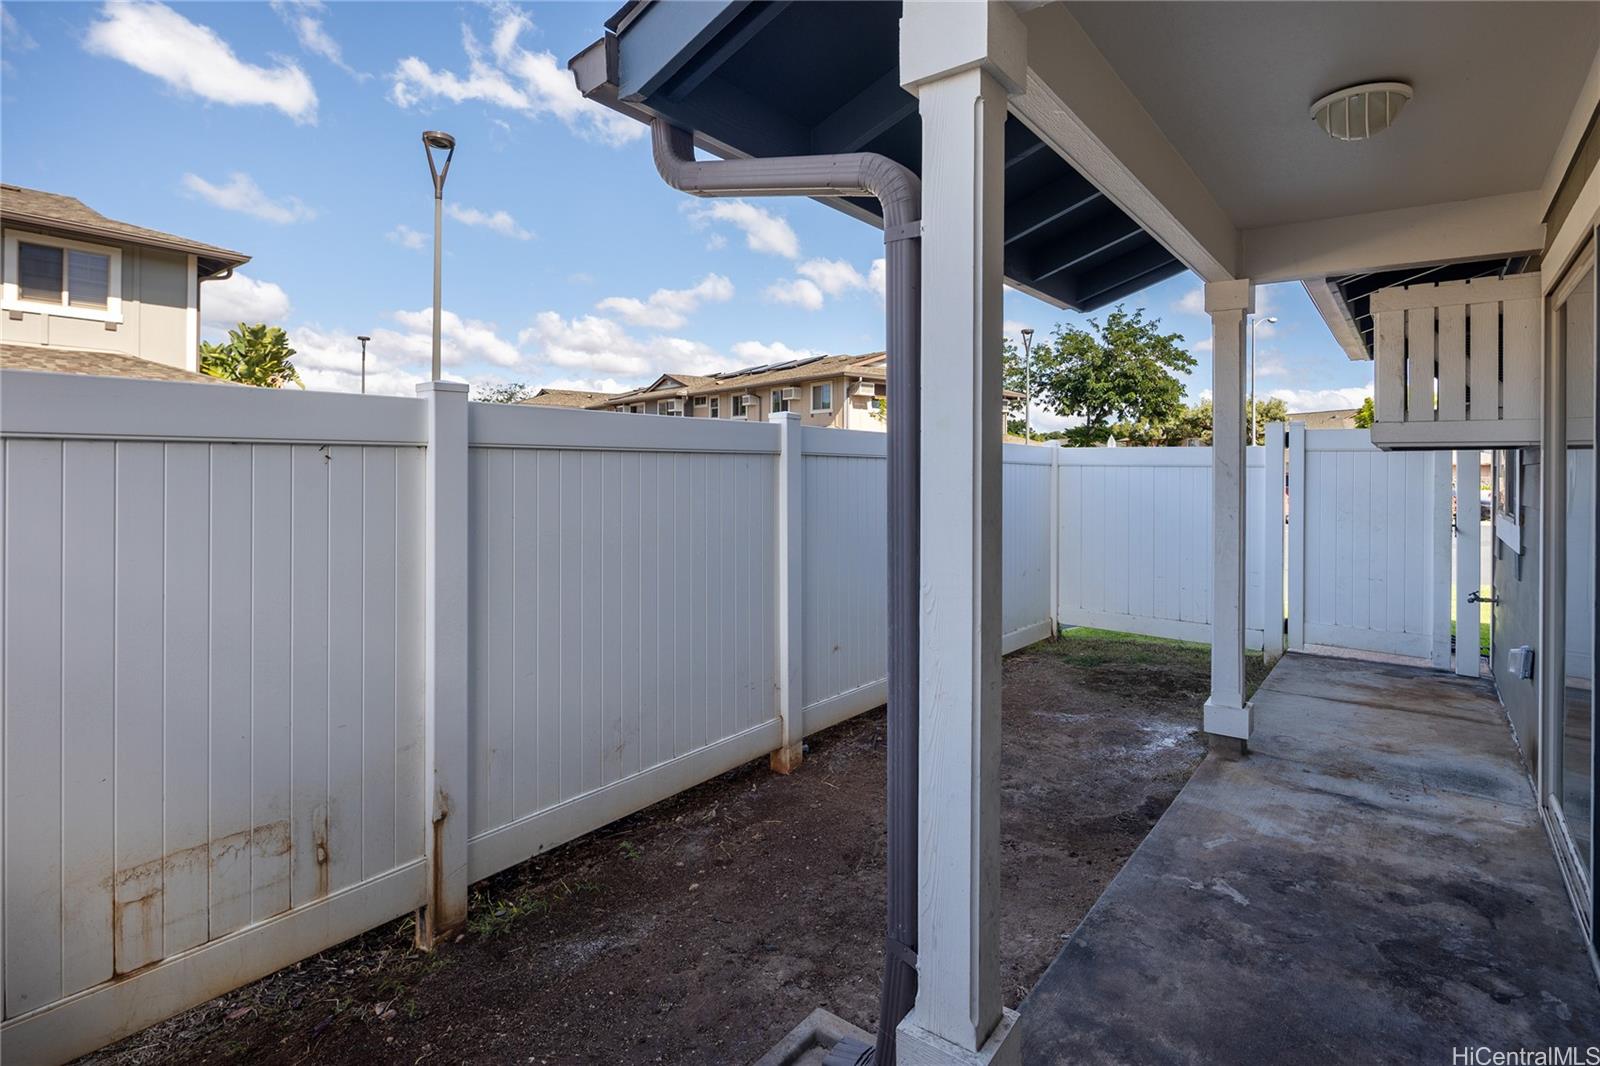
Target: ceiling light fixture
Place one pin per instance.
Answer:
(1361, 111)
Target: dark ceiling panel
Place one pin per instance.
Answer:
(797, 77)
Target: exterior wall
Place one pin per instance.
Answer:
(1516, 616)
(156, 311)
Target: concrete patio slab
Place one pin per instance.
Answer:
(1372, 884)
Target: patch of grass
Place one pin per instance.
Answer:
(629, 850)
(1104, 648)
(491, 917)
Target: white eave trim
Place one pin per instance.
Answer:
(1331, 306)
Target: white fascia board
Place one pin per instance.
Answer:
(1578, 121)
(1077, 104)
(1331, 306)
(1485, 228)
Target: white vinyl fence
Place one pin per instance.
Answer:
(1370, 548)
(1358, 547)
(1136, 541)
(279, 667)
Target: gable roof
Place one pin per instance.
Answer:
(35, 207)
(566, 398)
(96, 364)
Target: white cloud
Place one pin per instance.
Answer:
(192, 58)
(13, 34)
(669, 308)
(406, 237)
(460, 338)
(602, 346)
(500, 222)
(799, 292)
(242, 194)
(820, 278)
(396, 358)
(1321, 399)
(304, 17)
(769, 352)
(510, 76)
(763, 230)
(224, 304)
(1192, 302)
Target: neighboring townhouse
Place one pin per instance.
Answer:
(837, 391)
(89, 291)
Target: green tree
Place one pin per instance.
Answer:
(1121, 371)
(510, 392)
(253, 355)
(1193, 423)
(1364, 414)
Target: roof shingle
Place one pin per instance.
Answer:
(55, 211)
(96, 364)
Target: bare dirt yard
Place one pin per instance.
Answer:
(702, 929)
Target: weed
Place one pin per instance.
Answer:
(630, 850)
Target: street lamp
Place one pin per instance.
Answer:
(363, 341)
(1253, 325)
(1027, 377)
(432, 141)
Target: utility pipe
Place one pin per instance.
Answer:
(900, 193)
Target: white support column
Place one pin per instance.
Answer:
(445, 660)
(791, 561)
(961, 61)
(1469, 549)
(1297, 536)
(1440, 527)
(1229, 303)
(1272, 510)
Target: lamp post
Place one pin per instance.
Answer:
(363, 341)
(1027, 377)
(432, 141)
(1253, 325)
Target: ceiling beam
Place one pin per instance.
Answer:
(1081, 244)
(1491, 227)
(1049, 205)
(1100, 284)
(1075, 101)
(1171, 268)
(868, 115)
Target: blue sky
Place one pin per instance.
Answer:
(290, 131)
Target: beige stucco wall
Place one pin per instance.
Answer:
(155, 311)
(845, 413)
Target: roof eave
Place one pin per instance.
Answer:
(225, 258)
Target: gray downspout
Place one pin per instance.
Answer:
(900, 193)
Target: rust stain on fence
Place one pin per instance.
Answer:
(138, 892)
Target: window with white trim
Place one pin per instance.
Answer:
(716, 407)
(737, 406)
(822, 398)
(779, 404)
(700, 401)
(61, 277)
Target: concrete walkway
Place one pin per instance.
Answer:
(1371, 884)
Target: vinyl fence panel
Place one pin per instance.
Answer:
(1371, 555)
(1135, 540)
(621, 623)
(229, 733)
(185, 780)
